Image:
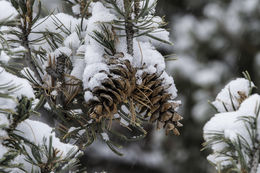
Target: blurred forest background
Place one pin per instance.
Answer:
(214, 42)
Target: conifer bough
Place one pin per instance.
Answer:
(86, 73)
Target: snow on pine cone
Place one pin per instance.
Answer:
(155, 102)
(113, 90)
(149, 99)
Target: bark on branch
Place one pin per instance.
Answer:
(129, 26)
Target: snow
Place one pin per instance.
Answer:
(124, 122)
(149, 56)
(4, 123)
(94, 54)
(235, 87)
(96, 80)
(157, 31)
(60, 23)
(18, 49)
(116, 116)
(144, 53)
(3, 150)
(54, 93)
(62, 51)
(72, 41)
(76, 9)
(90, 72)
(100, 14)
(4, 58)
(81, 50)
(23, 89)
(258, 169)
(32, 130)
(70, 44)
(26, 88)
(168, 80)
(105, 137)
(88, 96)
(7, 11)
(219, 160)
(78, 70)
(53, 22)
(230, 124)
(72, 129)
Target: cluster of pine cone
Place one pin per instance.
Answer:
(149, 99)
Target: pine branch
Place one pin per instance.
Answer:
(26, 28)
(136, 7)
(255, 161)
(28, 57)
(240, 154)
(256, 157)
(106, 38)
(85, 121)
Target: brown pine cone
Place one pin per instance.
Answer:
(114, 90)
(148, 99)
(155, 102)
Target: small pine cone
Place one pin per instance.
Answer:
(155, 102)
(60, 66)
(114, 90)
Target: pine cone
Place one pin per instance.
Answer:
(58, 82)
(148, 99)
(114, 90)
(155, 102)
